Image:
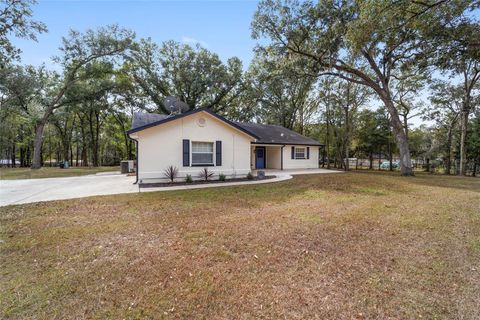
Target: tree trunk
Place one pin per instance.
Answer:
(14, 151)
(97, 138)
(371, 160)
(84, 156)
(94, 136)
(347, 134)
(405, 125)
(76, 154)
(327, 142)
(28, 156)
(390, 156)
(66, 151)
(71, 153)
(22, 157)
(463, 136)
(401, 139)
(37, 145)
(448, 160)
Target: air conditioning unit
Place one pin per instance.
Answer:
(127, 166)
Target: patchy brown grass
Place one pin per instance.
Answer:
(53, 172)
(340, 246)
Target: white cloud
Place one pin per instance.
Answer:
(193, 41)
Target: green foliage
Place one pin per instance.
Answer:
(282, 90)
(373, 132)
(188, 178)
(372, 43)
(473, 141)
(316, 67)
(194, 74)
(16, 20)
(222, 177)
(250, 176)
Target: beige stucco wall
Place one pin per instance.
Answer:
(289, 163)
(273, 154)
(161, 146)
(274, 157)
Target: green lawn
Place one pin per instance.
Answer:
(337, 246)
(47, 172)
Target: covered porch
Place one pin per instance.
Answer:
(266, 156)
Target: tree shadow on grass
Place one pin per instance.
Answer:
(450, 182)
(327, 185)
(433, 180)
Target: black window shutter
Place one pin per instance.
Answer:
(293, 152)
(186, 153)
(218, 151)
(308, 152)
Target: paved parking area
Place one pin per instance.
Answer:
(35, 190)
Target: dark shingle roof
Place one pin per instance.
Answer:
(272, 134)
(265, 134)
(141, 119)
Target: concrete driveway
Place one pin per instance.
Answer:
(35, 190)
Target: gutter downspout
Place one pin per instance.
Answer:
(281, 157)
(136, 156)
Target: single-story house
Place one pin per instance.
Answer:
(201, 138)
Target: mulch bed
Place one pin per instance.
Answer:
(183, 183)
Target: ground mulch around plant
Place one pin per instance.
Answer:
(196, 182)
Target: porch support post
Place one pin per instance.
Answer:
(281, 157)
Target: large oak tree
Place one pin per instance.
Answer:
(79, 51)
(364, 42)
(195, 75)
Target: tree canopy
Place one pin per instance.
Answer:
(352, 74)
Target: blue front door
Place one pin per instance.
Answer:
(260, 157)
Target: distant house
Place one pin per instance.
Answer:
(201, 138)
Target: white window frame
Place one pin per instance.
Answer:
(192, 152)
(304, 153)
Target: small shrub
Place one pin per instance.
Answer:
(188, 178)
(205, 174)
(249, 176)
(171, 173)
(222, 177)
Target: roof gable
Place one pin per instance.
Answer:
(164, 119)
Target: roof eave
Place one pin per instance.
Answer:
(289, 143)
